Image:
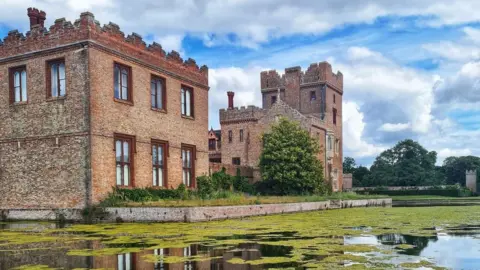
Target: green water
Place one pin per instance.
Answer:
(361, 238)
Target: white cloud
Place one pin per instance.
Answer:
(353, 127)
(388, 127)
(171, 42)
(253, 22)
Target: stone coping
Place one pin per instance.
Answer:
(188, 214)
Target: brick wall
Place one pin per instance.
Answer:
(109, 117)
(52, 151)
(35, 171)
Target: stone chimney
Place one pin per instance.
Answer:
(42, 16)
(230, 95)
(37, 17)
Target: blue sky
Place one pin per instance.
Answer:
(411, 68)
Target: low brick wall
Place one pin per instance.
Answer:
(196, 214)
(192, 214)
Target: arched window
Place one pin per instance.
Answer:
(18, 82)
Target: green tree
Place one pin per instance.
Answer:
(361, 177)
(289, 162)
(406, 164)
(455, 168)
(349, 165)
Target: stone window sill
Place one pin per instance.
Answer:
(126, 102)
(188, 117)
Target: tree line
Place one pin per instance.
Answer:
(409, 164)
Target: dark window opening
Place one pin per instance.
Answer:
(241, 135)
(159, 161)
(274, 99)
(158, 93)
(123, 82)
(334, 116)
(212, 143)
(236, 161)
(188, 165)
(313, 95)
(230, 136)
(334, 98)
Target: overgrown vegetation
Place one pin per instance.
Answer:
(289, 162)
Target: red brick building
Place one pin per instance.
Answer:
(84, 109)
(312, 98)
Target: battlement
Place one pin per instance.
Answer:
(242, 114)
(472, 172)
(316, 72)
(108, 37)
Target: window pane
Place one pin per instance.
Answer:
(126, 175)
(154, 173)
(124, 84)
(153, 94)
(17, 94)
(160, 155)
(154, 155)
(118, 150)
(16, 79)
(61, 71)
(54, 80)
(117, 82)
(127, 261)
(183, 158)
(189, 154)
(184, 177)
(188, 178)
(187, 103)
(24, 86)
(120, 261)
(119, 175)
(126, 152)
(160, 177)
(183, 101)
(124, 93)
(62, 88)
(159, 94)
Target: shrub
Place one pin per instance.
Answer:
(241, 184)
(221, 180)
(204, 187)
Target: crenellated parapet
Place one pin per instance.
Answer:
(322, 72)
(242, 114)
(316, 73)
(109, 37)
(271, 79)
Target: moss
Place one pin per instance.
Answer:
(313, 239)
(405, 246)
(34, 267)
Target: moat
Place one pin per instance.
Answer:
(362, 238)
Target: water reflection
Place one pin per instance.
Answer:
(459, 249)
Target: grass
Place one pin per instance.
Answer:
(240, 199)
(430, 197)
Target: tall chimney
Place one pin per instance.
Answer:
(33, 14)
(230, 95)
(42, 16)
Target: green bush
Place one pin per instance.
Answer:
(205, 187)
(241, 184)
(221, 180)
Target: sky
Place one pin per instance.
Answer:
(411, 68)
